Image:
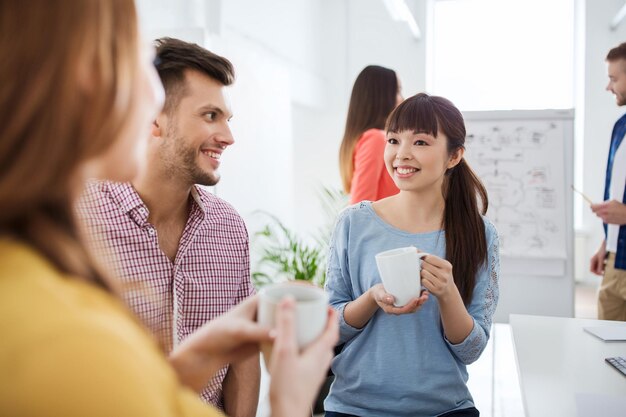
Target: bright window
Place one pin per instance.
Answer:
(503, 54)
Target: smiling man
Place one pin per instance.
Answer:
(610, 259)
(182, 251)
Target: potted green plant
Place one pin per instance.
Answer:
(282, 255)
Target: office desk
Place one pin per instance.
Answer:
(557, 359)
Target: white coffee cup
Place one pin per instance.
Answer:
(400, 270)
(311, 311)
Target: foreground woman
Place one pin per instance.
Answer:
(76, 101)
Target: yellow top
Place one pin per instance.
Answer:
(68, 348)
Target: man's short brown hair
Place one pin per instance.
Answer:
(174, 57)
(617, 53)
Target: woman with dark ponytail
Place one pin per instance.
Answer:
(411, 360)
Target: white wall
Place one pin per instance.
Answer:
(257, 169)
(599, 114)
(373, 38)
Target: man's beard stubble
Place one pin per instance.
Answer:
(182, 162)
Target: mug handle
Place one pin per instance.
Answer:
(421, 255)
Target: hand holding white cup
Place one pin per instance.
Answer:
(400, 272)
(311, 311)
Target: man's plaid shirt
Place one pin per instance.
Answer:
(210, 274)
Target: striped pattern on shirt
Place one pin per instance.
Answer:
(210, 273)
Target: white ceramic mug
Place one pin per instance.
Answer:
(311, 311)
(399, 270)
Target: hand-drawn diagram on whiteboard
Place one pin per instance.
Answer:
(522, 165)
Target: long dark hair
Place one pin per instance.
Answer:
(466, 244)
(373, 98)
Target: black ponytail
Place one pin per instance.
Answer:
(466, 243)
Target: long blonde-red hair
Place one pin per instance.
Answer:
(65, 94)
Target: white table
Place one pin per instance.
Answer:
(557, 359)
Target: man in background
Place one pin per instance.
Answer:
(182, 252)
(610, 259)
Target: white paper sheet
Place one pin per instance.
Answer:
(608, 334)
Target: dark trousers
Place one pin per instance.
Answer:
(466, 412)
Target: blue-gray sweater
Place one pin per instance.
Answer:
(400, 365)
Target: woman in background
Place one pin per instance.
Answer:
(76, 101)
(375, 93)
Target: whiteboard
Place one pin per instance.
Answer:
(525, 160)
(520, 158)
